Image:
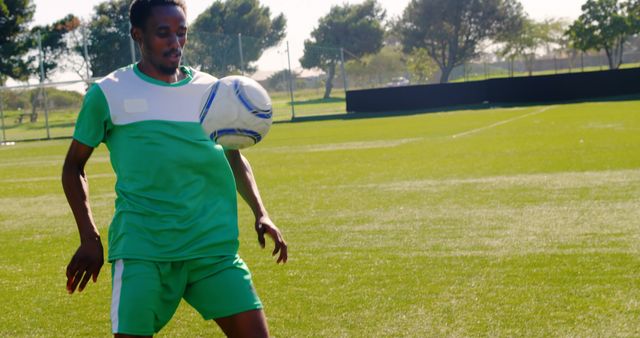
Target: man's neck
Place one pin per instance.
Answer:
(147, 69)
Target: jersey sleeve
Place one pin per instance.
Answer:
(94, 120)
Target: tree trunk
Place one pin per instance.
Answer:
(529, 61)
(610, 58)
(4, 136)
(446, 72)
(36, 100)
(329, 85)
(34, 103)
(619, 53)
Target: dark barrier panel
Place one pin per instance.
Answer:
(565, 87)
(535, 89)
(416, 97)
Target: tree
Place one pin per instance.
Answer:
(51, 47)
(377, 69)
(634, 15)
(605, 25)
(76, 61)
(451, 30)
(15, 16)
(421, 65)
(213, 37)
(525, 42)
(357, 28)
(555, 39)
(108, 37)
(53, 42)
(392, 34)
(279, 81)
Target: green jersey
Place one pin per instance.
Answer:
(175, 191)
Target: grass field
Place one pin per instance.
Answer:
(60, 123)
(499, 222)
(308, 102)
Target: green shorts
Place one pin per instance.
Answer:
(146, 294)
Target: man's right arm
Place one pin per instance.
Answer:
(89, 258)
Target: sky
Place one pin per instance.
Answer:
(302, 17)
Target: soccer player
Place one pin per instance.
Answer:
(174, 233)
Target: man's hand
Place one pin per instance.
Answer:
(86, 263)
(265, 225)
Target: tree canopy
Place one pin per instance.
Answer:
(53, 41)
(451, 30)
(279, 81)
(214, 44)
(606, 25)
(530, 38)
(15, 41)
(108, 39)
(357, 28)
(420, 65)
(379, 68)
(634, 15)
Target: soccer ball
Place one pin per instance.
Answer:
(236, 112)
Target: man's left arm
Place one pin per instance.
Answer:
(248, 189)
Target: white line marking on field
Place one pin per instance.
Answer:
(345, 146)
(473, 131)
(49, 178)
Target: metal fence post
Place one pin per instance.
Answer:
(241, 53)
(86, 52)
(464, 71)
(344, 74)
(512, 66)
(132, 47)
(43, 90)
(293, 110)
(4, 136)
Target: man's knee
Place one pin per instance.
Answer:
(246, 324)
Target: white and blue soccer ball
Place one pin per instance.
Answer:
(236, 112)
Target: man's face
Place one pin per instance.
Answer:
(163, 38)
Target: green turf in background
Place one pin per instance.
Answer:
(525, 224)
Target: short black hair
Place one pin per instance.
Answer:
(140, 10)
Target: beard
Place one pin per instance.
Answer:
(171, 68)
(167, 70)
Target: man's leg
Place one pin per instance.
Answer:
(246, 324)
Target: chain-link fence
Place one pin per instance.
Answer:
(319, 89)
(572, 62)
(313, 83)
(46, 109)
(39, 112)
(391, 68)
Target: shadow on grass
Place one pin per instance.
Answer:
(484, 106)
(318, 101)
(63, 125)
